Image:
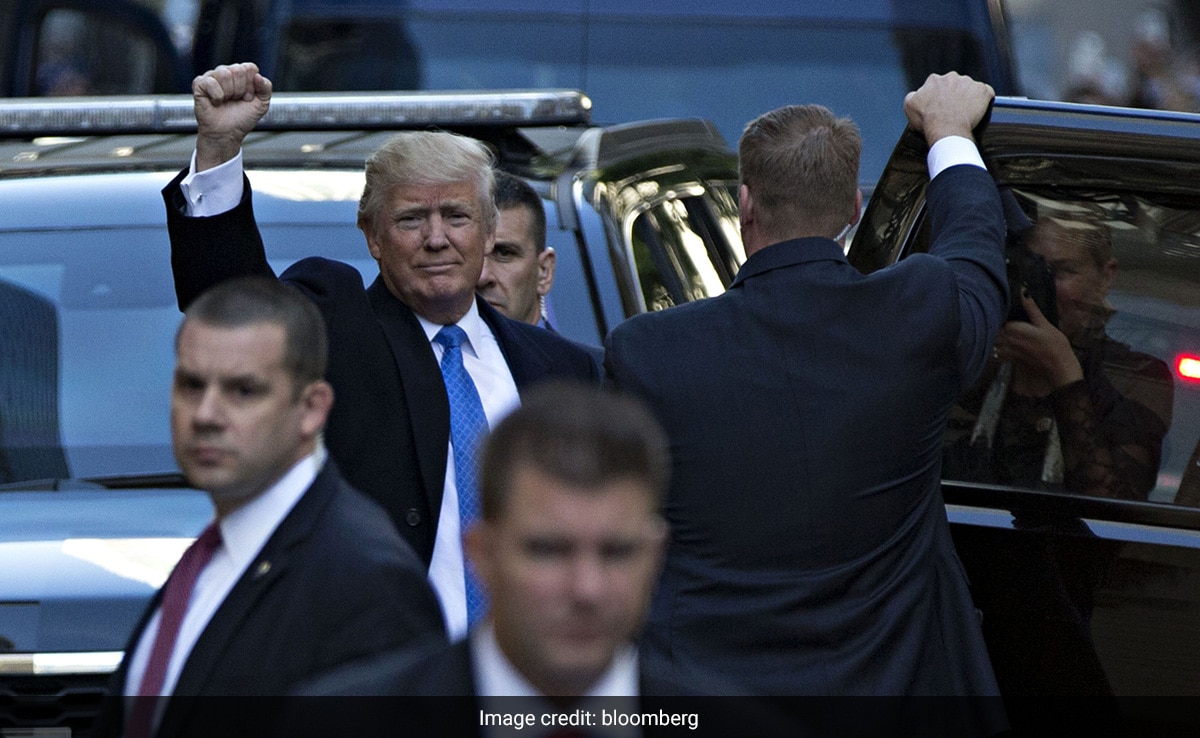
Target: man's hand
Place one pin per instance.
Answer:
(947, 105)
(229, 101)
(1038, 346)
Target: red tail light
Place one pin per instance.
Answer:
(1188, 367)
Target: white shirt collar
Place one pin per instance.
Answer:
(245, 530)
(496, 676)
(497, 681)
(471, 323)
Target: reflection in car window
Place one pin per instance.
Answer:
(1121, 276)
(84, 54)
(675, 263)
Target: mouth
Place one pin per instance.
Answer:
(438, 268)
(207, 455)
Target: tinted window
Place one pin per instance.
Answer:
(1121, 272)
(82, 53)
(86, 354)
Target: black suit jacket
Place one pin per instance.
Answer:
(390, 424)
(810, 552)
(334, 583)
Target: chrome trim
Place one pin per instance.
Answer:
(294, 111)
(48, 664)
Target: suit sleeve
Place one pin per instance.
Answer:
(206, 251)
(967, 232)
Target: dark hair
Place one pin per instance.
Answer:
(514, 192)
(579, 434)
(247, 300)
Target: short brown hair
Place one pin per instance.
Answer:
(800, 163)
(244, 301)
(579, 434)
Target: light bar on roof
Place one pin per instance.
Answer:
(298, 111)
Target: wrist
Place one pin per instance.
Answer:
(212, 151)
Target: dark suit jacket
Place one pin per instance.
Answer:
(810, 552)
(390, 424)
(334, 583)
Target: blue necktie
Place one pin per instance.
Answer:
(468, 426)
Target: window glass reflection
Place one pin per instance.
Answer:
(81, 53)
(672, 258)
(1084, 393)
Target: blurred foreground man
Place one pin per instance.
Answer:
(810, 552)
(299, 573)
(569, 549)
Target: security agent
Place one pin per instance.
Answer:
(262, 600)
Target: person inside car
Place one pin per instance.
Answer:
(1065, 406)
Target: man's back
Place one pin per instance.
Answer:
(810, 552)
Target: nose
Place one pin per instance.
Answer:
(436, 235)
(209, 410)
(587, 579)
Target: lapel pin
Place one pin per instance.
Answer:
(263, 568)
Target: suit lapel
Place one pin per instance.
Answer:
(424, 391)
(264, 571)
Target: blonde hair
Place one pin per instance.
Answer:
(427, 158)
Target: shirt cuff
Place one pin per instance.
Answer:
(213, 191)
(952, 151)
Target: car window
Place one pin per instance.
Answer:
(81, 53)
(87, 350)
(1117, 274)
(680, 253)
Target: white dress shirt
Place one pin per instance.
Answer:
(951, 151)
(244, 532)
(497, 681)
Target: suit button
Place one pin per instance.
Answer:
(412, 517)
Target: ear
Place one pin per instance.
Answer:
(745, 207)
(857, 207)
(372, 241)
(546, 262)
(315, 402)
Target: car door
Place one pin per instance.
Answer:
(1081, 539)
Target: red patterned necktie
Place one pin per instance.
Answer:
(176, 594)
